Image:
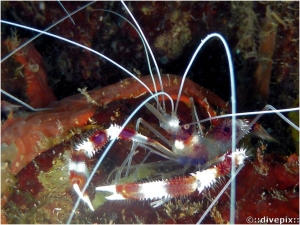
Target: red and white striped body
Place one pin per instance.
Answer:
(166, 189)
(175, 187)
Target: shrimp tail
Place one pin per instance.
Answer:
(259, 131)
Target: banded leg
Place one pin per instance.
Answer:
(79, 175)
(176, 187)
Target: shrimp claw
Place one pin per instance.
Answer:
(175, 187)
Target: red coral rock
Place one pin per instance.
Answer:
(38, 91)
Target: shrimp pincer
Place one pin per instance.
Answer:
(176, 187)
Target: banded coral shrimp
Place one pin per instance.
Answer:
(57, 211)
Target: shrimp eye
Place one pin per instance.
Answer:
(186, 127)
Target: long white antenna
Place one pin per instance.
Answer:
(66, 12)
(233, 108)
(23, 103)
(82, 46)
(150, 51)
(39, 34)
